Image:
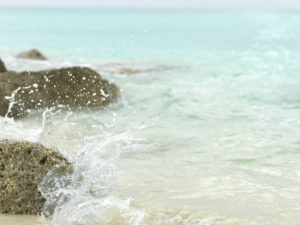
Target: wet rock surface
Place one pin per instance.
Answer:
(73, 87)
(2, 67)
(22, 167)
(32, 54)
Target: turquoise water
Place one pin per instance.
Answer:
(207, 131)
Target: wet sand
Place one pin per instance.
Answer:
(21, 220)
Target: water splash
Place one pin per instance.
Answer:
(46, 136)
(86, 194)
(11, 99)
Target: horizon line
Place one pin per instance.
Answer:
(204, 9)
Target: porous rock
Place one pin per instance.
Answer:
(2, 67)
(22, 167)
(74, 87)
(32, 54)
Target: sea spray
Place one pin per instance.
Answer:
(46, 136)
(12, 100)
(86, 195)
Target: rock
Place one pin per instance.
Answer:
(22, 167)
(128, 71)
(118, 68)
(32, 54)
(74, 87)
(2, 67)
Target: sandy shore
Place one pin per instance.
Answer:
(21, 220)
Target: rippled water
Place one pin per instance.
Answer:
(207, 131)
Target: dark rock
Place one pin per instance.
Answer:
(74, 87)
(23, 165)
(2, 67)
(32, 54)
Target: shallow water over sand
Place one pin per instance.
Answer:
(209, 135)
(21, 220)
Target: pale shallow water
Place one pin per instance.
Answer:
(21, 220)
(206, 133)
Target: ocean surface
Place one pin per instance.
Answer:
(207, 132)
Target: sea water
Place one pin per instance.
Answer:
(206, 132)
